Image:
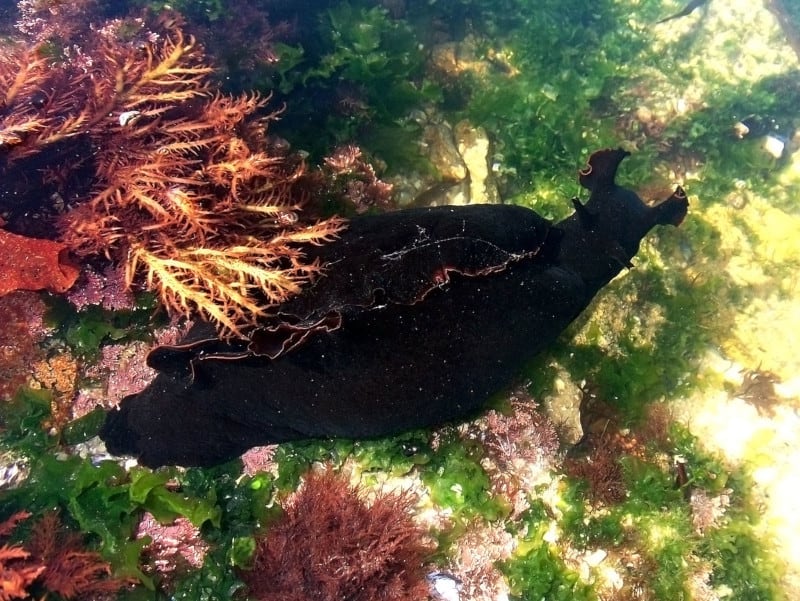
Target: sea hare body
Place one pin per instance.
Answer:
(419, 317)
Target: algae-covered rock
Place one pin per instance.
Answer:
(474, 148)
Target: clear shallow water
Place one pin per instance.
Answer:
(701, 331)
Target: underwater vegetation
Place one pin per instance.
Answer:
(356, 76)
(363, 548)
(185, 189)
(647, 454)
(53, 561)
(548, 84)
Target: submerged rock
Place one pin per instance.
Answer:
(461, 156)
(419, 317)
(443, 153)
(473, 146)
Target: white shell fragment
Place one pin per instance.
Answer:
(774, 146)
(12, 472)
(129, 117)
(444, 586)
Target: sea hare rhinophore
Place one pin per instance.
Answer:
(419, 317)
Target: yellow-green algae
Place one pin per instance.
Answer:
(730, 303)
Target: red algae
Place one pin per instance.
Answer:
(260, 459)
(330, 544)
(34, 264)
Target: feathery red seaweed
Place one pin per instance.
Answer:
(332, 544)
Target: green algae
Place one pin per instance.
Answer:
(458, 483)
(551, 109)
(655, 523)
(355, 81)
(646, 335)
(105, 501)
(395, 456)
(536, 571)
(743, 564)
(84, 331)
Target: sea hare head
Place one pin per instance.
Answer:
(605, 232)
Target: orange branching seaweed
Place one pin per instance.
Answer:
(70, 571)
(331, 544)
(185, 191)
(17, 572)
(53, 560)
(7, 527)
(28, 93)
(16, 575)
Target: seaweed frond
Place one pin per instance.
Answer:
(33, 97)
(16, 574)
(332, 544)
(69, 570)
(51, 560)
(187, 194)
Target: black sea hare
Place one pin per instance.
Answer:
(419, 317)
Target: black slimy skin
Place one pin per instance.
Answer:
(685, 11)
(419, 317)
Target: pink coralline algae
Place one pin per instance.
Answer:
(122, 370)
(106, 288)
(172, 545)
(260, 459)
(22, 316)
(520, 448)
(357, 179)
